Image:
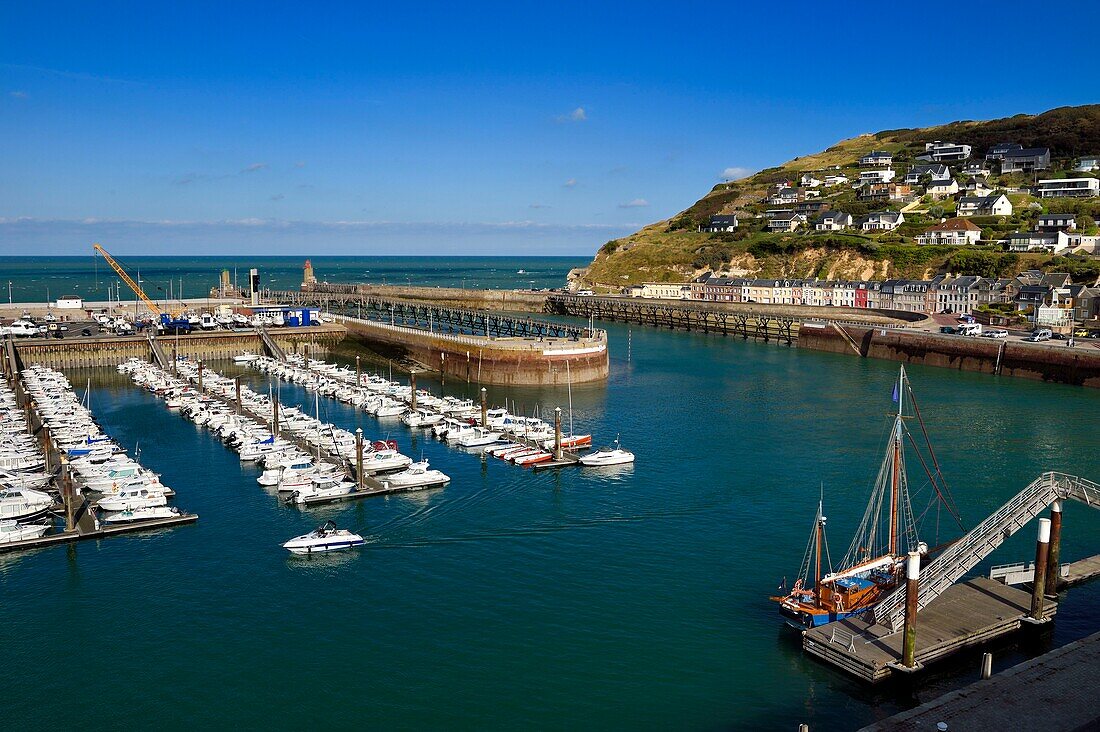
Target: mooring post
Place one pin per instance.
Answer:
(237, 386)
(275, 415)
(1038, 590)
(67, 492)
(359, 457)
(484, 407)
(175, 356)
(803, 728)
(200, 377)
(1054, 570)
(358, 373)
(912, 584)
(412, 388)
(987, 665)
(557, 433)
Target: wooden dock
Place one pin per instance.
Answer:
(67, 537)
(964, 615)
(1053, 692)
(1080, 571)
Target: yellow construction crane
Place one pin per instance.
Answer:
(169, 319)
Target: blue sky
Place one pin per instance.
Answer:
(422, 128)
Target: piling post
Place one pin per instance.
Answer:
(484, 407)
(803, 728)
(1054, 570)
(1038, 589)
(359, 457)
(200, 377)
(412, 388)
(358, 373)
(912, 584)
(175, 356)
(237, 386)
(275, 415)
(67, 492)
(557, 433)
(987, 665)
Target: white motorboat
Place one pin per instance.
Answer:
(15, 531)
(321, 488)
(246, 357)
(417, 476)
(608, 456)
(380, 461)
(145, 513)
(479, 437)
(33, 481)
(325, 538)
(128, 499)
(22, 503)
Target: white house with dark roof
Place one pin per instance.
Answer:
(786, 222)
(1026, 160)
(941, 189)
(1056, 222)
(882, 221)
(938, 151)
(1088, 164)
(1068, 188)
(998, 151)
(976, 167)
(721, 223)
(808, 181)
(978, 187)
(954, 232)
(877, 157)
(833, 221)
(935, 171)
(996, 204)
(835, 180)
(880, 175)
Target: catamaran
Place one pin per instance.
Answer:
(872, 567)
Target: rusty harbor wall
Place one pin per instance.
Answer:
(77, 352)
(1060, 364)
(507, 361)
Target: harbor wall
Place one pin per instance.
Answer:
(78, 352)
(516, 301)
(476, 359)
(1060, 364)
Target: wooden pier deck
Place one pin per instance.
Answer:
(1053, 692)
(965, 615)
(1080, 571)
(67, 537)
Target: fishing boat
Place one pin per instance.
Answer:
(325, 538)
(608, 456)
(873, 565)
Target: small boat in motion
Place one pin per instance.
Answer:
(325, 538)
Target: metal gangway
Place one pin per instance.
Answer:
(159, 356)
(964, 555)
(272, 347)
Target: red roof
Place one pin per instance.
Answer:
(958, 224)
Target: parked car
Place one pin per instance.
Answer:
(1080, 333)
(966, 318)
(1043, 334)
(995, 333)
(946, 329)
(1059, 336)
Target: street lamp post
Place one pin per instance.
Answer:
(9, 292)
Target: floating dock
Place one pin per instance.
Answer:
(964, 615)
(68, 537)
(1053, 692)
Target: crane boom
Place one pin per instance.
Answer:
(128, 280)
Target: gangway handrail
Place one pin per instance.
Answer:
(963, 555)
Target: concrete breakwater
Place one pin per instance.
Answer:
(1078, 366)
(515, 301)
(77, 352)
(489, 360)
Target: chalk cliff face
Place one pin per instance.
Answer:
(675, 249)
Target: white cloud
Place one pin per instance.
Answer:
(636, 203)
(254, 168)
(577, 115)
(18, 94)
(570, 183)
(734, 173)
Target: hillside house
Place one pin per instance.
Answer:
(938, 151)
(808, 181)
(882, 221)
(874, 192)
(941, 189)
(996, 204)
(998, 151)
(917, 173)
(1025, 160)
(1056, 222)
(833, 221)
(867, 177)
(811, 207)
(787, 195)
(977, 167)
(832, 181)
(661, 290)
(877, 158)
(721, 223)
(1087, 165)
(977, 187)
(786, 222)
(1068, 188)
(954, 232)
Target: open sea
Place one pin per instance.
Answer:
(630, 599)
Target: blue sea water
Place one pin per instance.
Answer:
(633, 599)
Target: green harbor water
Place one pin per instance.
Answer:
(626, 600)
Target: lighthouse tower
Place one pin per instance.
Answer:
(308, 278)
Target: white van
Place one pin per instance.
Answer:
(1043, 334)
(970, 329)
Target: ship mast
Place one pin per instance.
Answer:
(895, 467)
(819, 530)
